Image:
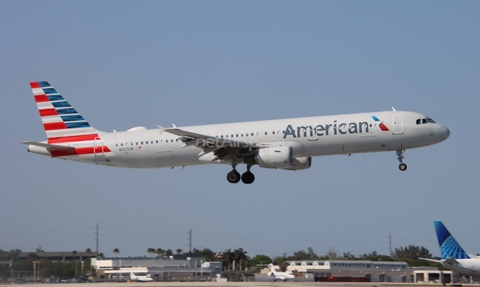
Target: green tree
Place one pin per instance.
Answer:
(178, 251)
(208, 254)
(151, 251)
(168, 252)
(411, 253)
(116, 251)
(241, 258)
(260, 260)
(160, 252)
(227, 259)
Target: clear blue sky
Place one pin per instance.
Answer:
(123, 64)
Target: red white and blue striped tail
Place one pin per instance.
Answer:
(62, 123)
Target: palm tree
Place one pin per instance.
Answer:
(178, 251)
(160, 252)
(240, 256)
(150, 251)
(116, 251)
(227, 259)
(14, 253)
(168, 252)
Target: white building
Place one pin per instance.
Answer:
(375, 271)
(187, 268)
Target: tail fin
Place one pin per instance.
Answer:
(272, 270)
(449, 247)
(62, 123)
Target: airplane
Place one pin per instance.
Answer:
(286, 144)
(279, 275)
(453, 255)
(147, 278)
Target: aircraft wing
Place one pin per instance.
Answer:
(222, 149)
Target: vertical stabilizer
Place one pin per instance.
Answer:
(449, 247)
(62, 123)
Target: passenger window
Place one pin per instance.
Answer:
(252, 134)
(157, 141)
(141, 143)
(131, 143)
(121, 144)
(146, 142)
(116, 144)
(273, 133)
(265, 133)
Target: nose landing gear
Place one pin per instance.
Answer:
(402, 166)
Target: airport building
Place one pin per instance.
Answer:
(173, 268)
(370, 271)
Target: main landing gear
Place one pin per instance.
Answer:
(247, 177)
(400, 158)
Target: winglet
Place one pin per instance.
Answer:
(393, 109)
(161, 129)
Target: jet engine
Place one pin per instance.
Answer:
(300, 163)
(281, 157)
(274, 157)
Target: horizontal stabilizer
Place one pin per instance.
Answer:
(431, 260)
(48, 146)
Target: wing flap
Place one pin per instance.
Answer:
(222, 149)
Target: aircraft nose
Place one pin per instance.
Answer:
(443, 132)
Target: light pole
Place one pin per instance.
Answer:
(34, 271)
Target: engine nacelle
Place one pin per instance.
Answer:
(300, 163)
(274, 157)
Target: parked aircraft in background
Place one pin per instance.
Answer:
(453, 255)
(147, 278)
(287, 144)
(279, 275)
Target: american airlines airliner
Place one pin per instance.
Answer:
(286, 144)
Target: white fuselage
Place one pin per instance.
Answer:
(309, 137)
(469, 267)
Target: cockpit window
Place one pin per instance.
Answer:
(430, 120)
(424, 121)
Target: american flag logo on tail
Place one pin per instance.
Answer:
(63, 124)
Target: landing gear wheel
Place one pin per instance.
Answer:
(248, 177)
(400, 158)
(233, 176)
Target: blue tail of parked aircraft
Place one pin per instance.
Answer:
(449, 247)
